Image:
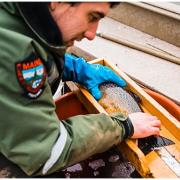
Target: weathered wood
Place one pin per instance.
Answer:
(140, 47)
(149, 19)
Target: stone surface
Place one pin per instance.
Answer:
(109, 164)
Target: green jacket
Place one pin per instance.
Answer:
(31, 134)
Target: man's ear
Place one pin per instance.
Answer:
(60, 6)
(53, 5)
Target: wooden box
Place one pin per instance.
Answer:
(161, 163)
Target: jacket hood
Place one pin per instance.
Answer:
(37, 16)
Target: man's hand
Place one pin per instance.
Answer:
(144, 125)
(89, 75)
(101, 74)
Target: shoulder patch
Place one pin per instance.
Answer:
(31, 75)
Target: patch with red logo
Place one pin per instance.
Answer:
(31, 75)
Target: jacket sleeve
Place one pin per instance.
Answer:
(86, 136)
(31, 134)
(33, 137)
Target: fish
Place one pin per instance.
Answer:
(117, 99)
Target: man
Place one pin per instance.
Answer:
(34, 37)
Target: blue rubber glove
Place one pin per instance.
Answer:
(89, 75)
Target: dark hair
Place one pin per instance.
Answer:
(114, 4)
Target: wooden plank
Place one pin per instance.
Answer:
(139, 47)
(157, 166)
(89, 103)
(130, 151)
(156, 21)
(165, 9)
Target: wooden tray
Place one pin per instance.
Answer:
(163, 163)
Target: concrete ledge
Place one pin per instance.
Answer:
(161, 23)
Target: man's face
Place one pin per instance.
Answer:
(78, 21)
